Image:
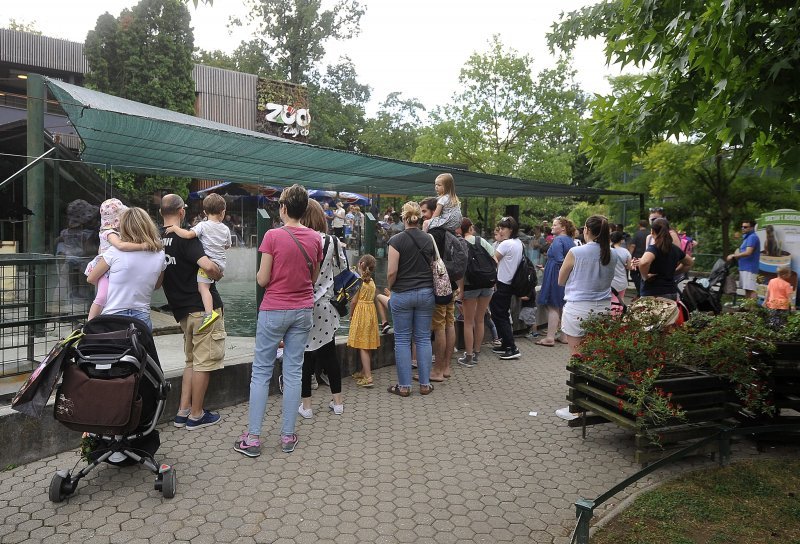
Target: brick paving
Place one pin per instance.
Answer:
(464, 464)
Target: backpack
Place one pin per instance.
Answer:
(524, 280)
(456, 255)
(481, 267)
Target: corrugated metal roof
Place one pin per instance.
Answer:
(42, 52)
(137, 137)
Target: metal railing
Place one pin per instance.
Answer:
(42, 298)
(585, 508)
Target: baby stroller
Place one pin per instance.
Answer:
(113, 390)
(705, 294)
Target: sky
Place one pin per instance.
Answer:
(416, 47)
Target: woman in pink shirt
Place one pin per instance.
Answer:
(288, 270)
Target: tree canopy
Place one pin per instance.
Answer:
(724, 72)
(506, 121)
(145, 55)
(293, 33)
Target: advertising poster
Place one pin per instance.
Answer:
(785, 229)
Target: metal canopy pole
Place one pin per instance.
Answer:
(35, 185)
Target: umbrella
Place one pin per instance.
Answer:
(345, 197)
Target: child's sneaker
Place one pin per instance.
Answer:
(248, 446)
(208, 319)
(386, 328)
(289, 443)
(307, 414)
(337, 409)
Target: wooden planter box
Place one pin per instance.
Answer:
(705, 398)
(783, 379)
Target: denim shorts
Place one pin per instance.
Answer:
(478, 293)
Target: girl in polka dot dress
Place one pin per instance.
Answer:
(364, 333)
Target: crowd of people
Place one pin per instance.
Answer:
(584, 271)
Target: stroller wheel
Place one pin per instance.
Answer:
(61, 486)
(166, 481)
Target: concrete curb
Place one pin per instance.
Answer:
(27, 439)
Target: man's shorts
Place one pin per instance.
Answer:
(747, 280)
(205, 351)
(444, 315)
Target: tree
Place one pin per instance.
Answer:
(710, 188)
(145, 55)
(248, 57)
(295, 31)
(723, 72)
(394, 130)
(505, 122)
(338, 102)
(22, 26)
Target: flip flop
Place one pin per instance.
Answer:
(543, 343)
(561, 340)
(415, 377)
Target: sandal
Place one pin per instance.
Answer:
(426, 389)
(545, 344)
(364, 382)
(357, 375)
(415, 377)
(397, 390)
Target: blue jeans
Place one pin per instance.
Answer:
(141, 315)
(291, 326)
(411, 314)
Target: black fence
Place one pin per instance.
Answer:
(42, 298)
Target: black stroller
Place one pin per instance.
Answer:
(705, 294)
(113, 390)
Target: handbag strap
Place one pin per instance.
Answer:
(309, 264)
(420, 249)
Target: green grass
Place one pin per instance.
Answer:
(745, 503)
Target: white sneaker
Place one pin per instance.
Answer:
(307, 414)
(338, 409)
(314, 383)
(564, 413)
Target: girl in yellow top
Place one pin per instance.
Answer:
(364, 333)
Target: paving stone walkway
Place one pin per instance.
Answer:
(467, 463)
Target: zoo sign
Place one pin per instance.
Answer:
(295, 122)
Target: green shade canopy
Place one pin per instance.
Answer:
(131, 136)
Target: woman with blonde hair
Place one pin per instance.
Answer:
(132, 275)
(551, 295)
(410, 280)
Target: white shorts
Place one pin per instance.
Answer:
(575, 312)
(747, 280)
